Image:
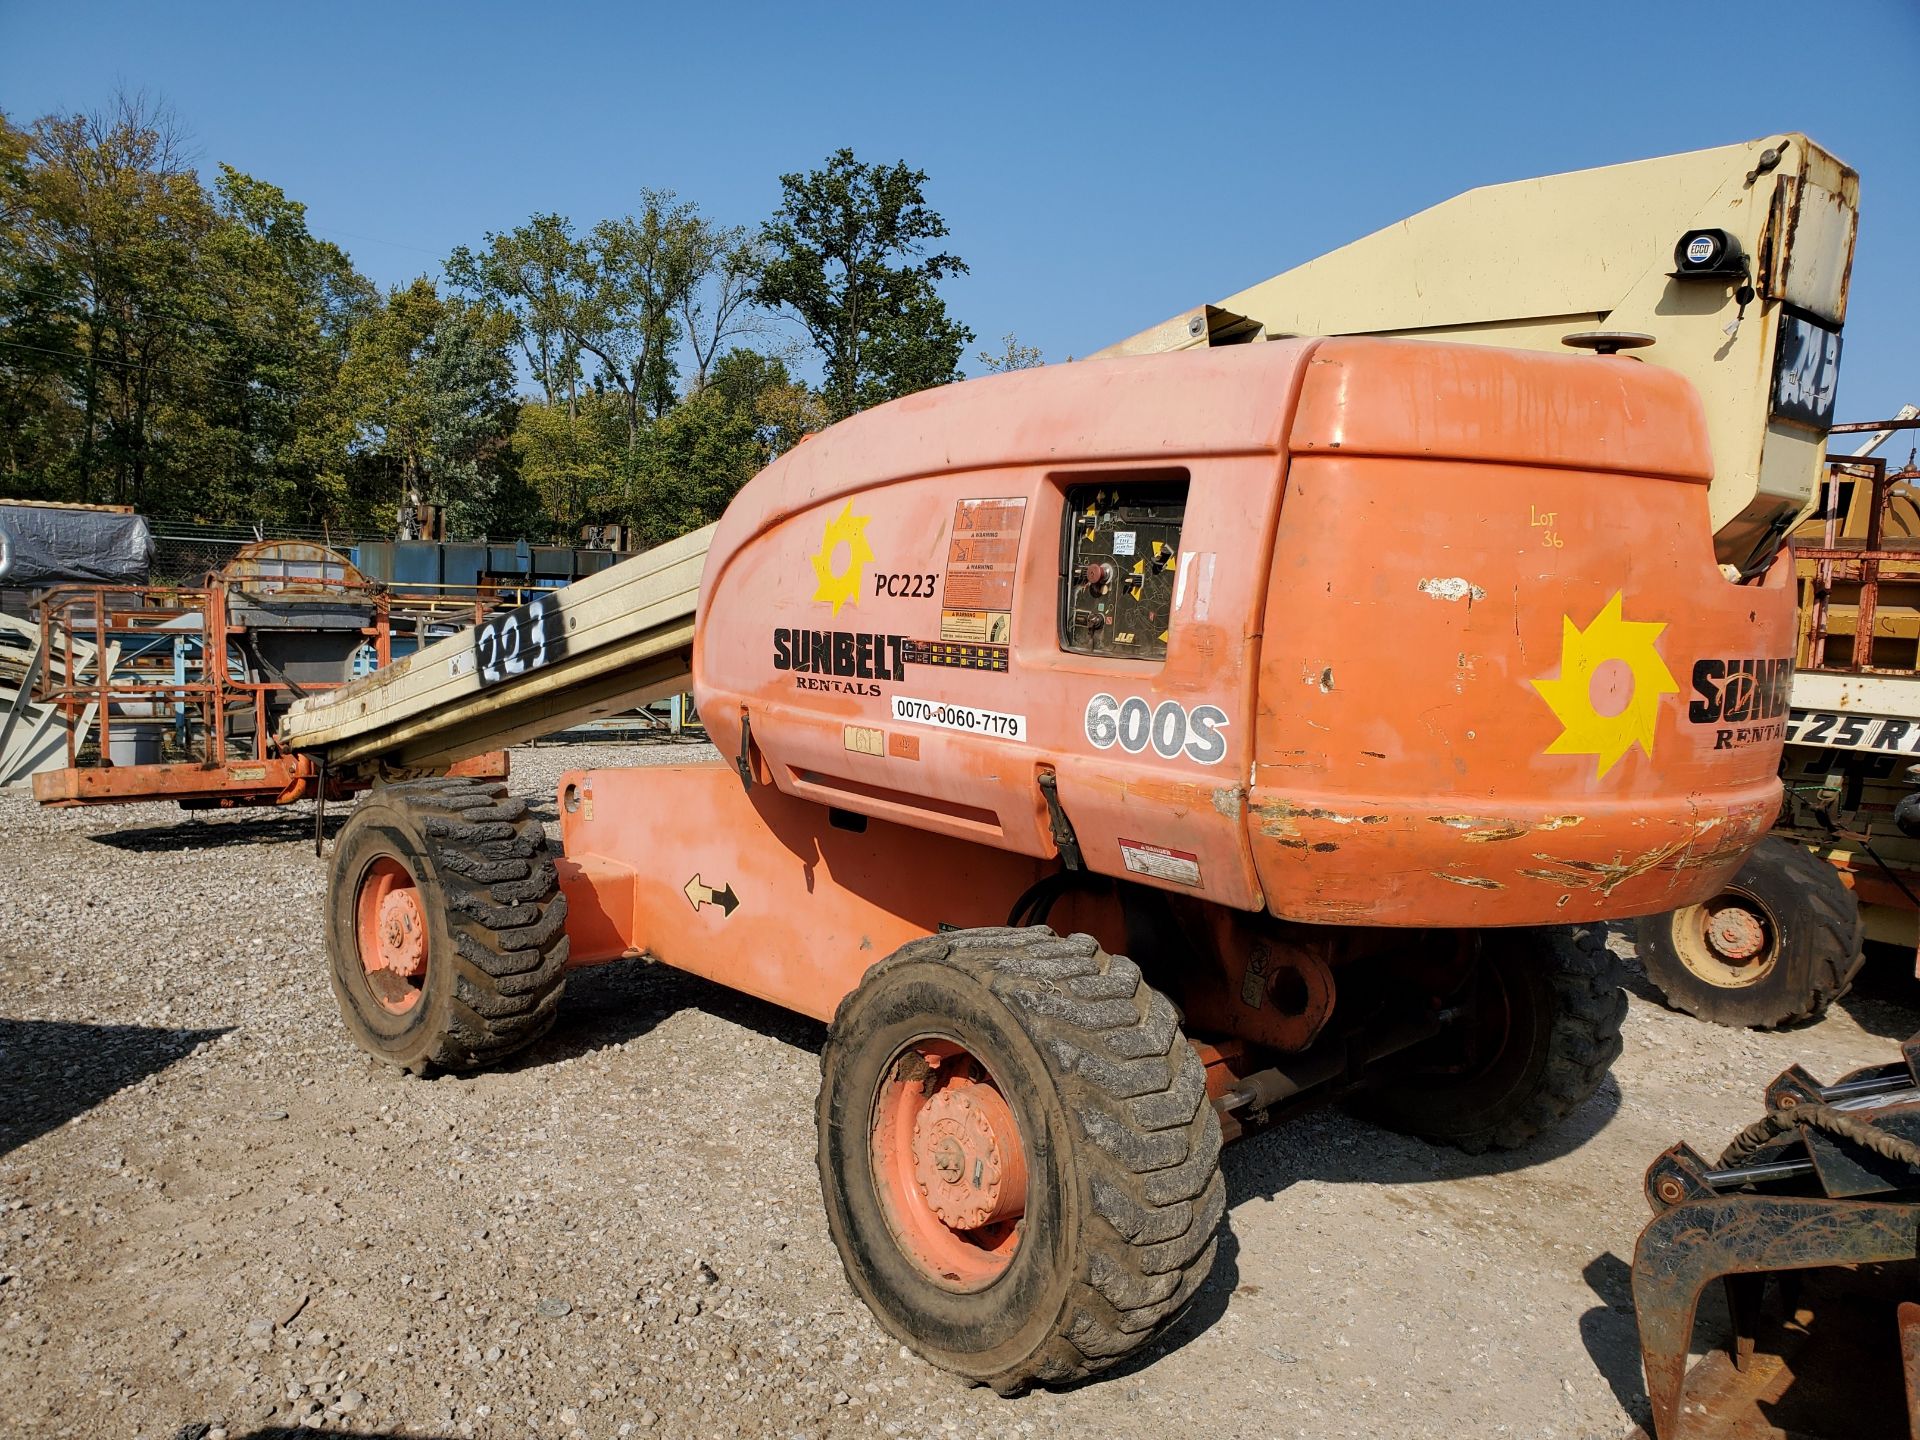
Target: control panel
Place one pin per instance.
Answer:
(1120, 557)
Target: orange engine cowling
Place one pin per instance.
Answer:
(1358, 631)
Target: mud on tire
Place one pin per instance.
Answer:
(1812, 944)
(494, 919)
(1122, 1148)
(1560, 991)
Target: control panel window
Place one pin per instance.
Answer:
(1120, 556)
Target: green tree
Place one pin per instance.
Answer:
(690, 463)
(783, 410)
(571, 456)
(641, 269)
(725, 266)
(430, 392)
(1012, 355)
(538, 275)
(847, 256)
(39, 360)
(163, 345)
(281, 304)
(110, 229)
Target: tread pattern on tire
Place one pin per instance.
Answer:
(1589, 1006)
(1838, 936)
(505, 911)
(1592, 1005)
(1138, 1093)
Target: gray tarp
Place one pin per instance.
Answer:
(40, 545)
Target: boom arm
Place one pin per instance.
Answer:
(602, 645)
(1533, 263)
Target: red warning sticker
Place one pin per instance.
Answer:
(1179, 866)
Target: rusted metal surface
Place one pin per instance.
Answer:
(1908, 1319)
(293, 566)
(191, 678)
(1869, 427)
(1268, 985)
(1791, 1387)
(207, 671)
(1829, 1182)
(1843, 576)
(276, 780)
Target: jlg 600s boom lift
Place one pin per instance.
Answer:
(1331, 681)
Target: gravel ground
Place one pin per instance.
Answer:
(216, 1214)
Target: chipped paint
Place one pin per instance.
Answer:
(1476, 882)
(1481, 829)
(1229, 800)
(1451, 587)
(1604, 877)
(1277, 811)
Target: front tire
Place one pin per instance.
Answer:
(446, 928)
(1545, 1029)
(1780, 944)
(1018, 1156)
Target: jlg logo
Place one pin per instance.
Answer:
(1171, 729)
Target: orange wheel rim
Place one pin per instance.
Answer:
(391, 926)
(949, 1164)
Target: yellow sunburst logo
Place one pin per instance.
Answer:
(1584, 729)
(839, 587)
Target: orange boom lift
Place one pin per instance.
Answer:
(1120, 756)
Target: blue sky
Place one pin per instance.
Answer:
(1101, 167)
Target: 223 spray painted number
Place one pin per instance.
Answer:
(520, 641)
(1170, 728)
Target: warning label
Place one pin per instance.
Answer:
(1179, 866)
(976, 628)
(976, 598)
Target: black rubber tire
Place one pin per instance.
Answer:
(1124, 1191)
(1815, 948)
(1561, 1033)
(496, 923)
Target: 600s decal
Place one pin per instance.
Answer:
(1170, 728)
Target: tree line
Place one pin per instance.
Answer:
(195, 350)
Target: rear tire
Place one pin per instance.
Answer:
(1120, 1147)
(1807, 943)
(446, 928)
(1550, 1008)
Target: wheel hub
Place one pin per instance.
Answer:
(403, 933)
(1735, 934)
(967, 1157)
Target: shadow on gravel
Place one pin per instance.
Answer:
(1885, 998)
(53, 1070)
(219, 834)
(1342, 1149)
(608, 1005)
(1612, 1336)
